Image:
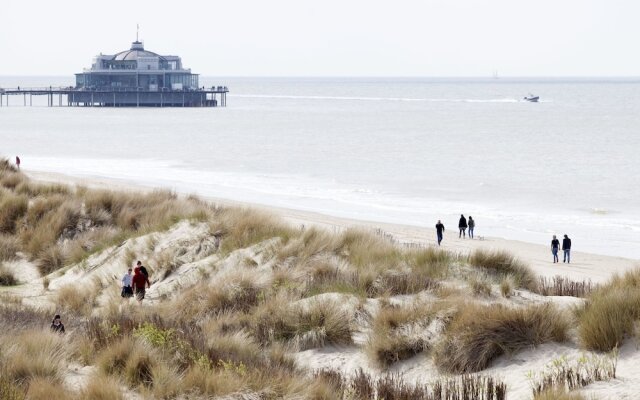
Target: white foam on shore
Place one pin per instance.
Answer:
(592, 232)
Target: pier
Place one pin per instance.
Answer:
(116, 97)
(135, 77)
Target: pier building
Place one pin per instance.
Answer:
(131, 78)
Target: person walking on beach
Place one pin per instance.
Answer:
(439, 231)
(555, 244)
(462, 225)
(127, 282)
(472, 224)
(139, 283)
(57, 325)
(18, 162)
(566, 247)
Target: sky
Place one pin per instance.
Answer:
(435, 38)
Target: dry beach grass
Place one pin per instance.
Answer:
(239, 296)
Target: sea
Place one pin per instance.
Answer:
(397, 150)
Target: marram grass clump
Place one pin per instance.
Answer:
(479, 334)
(610, 313)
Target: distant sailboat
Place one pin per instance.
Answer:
(495, 74)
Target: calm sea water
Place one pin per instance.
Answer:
(395, 150)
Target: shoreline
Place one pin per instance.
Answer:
(595, 267)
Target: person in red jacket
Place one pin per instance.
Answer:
(139, 283)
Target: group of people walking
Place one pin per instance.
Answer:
(463, 225)
(135, 283)
(566, 248)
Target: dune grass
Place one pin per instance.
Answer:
(397, 333)
(611, 312)
(8, 389)
(506, 287)
(9, 248)
(101, 387)
(479, 334)
(12, 208)
(504, 264)
(34, 355)
(480, 285)
(559, 394)
(563, 375)
(77, 299)
(6, 277)
(314, 325)
(563, 286)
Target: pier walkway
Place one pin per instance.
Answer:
(117, 97)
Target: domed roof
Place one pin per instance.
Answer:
(137, 50)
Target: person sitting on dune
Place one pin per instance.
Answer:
(57, 325)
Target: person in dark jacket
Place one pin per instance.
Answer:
(439, 231)
(566, 247)
(139, 284)
(555, 244)
(472, 224)
(462, 225)
(57, 325)
(142, 268)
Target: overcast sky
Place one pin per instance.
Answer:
(331, 37)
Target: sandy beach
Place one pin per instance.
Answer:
(584, 266)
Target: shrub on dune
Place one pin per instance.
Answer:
(12, 208)
(503, 264)
(50, 260)
(319, 324)
(6, 277)
(132, 360)
(11, 180)
(9, 248)
(430, 262)
(480, 334)
(44, 389)
(394, 282)
(236, 292)
(34, 355)
(45, 233)
(76, 299)
(8, 389)
(101, 387)
(211, 382)
(611, 313)
(237, 347)
(314, 325)
(392, 338)
(240, 228)
(365, 250)
(310, 243)
(480, 285)
(112, 359)
(6, 166)
(42, 189)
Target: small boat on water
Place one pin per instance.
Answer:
(531, 98)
